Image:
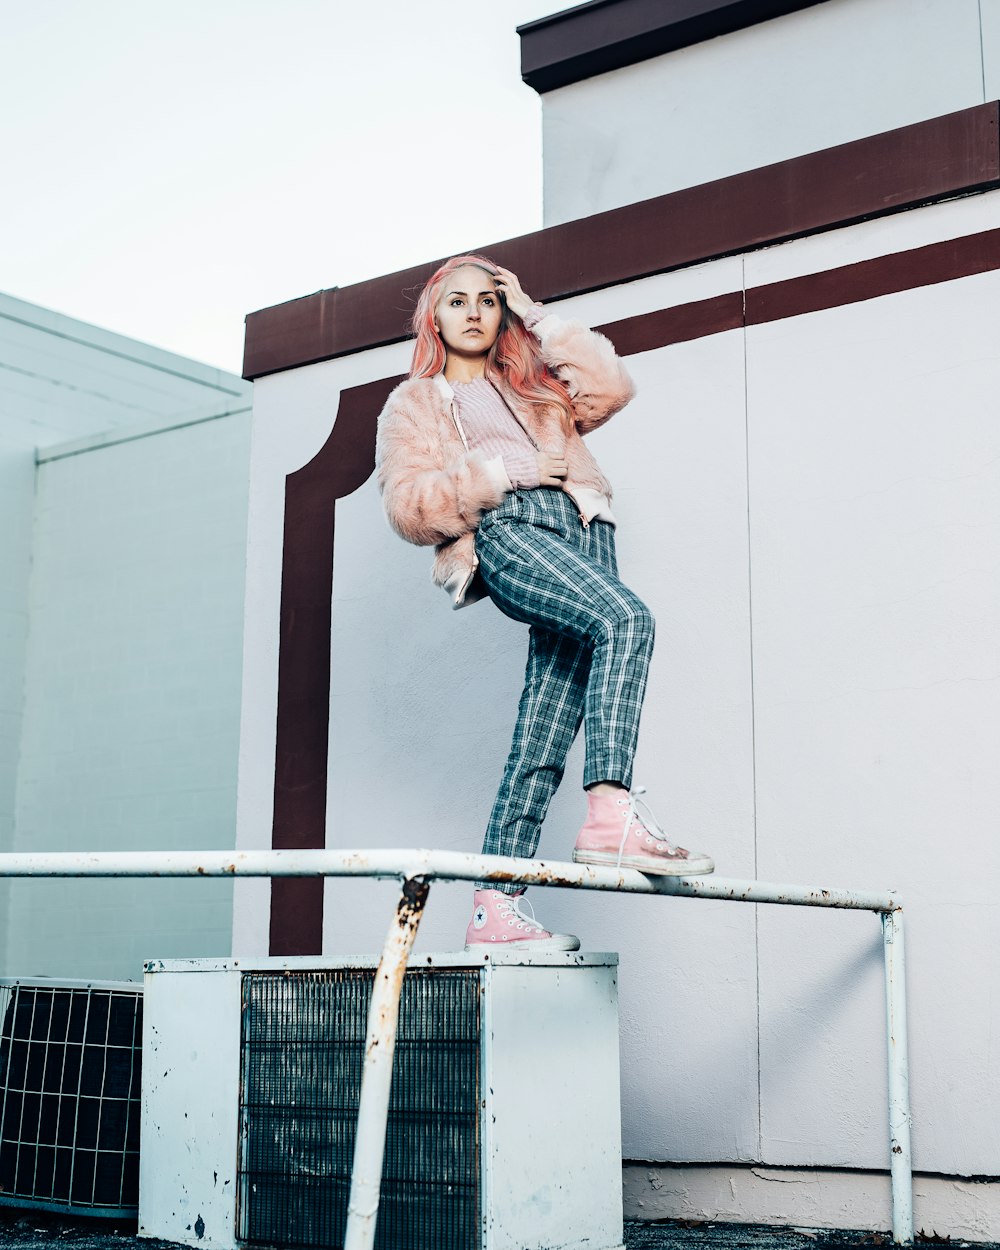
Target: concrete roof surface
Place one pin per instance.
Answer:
(692, 1235)
(40, 1230)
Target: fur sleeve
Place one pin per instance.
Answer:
(430, 496)
(587, 364)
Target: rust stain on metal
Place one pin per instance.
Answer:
(414, 896)
(409, 909)
(543, 875)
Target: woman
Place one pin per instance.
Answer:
(480, 454)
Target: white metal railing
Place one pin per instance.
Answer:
(416, 869)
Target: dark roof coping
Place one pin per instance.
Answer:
(605, 35)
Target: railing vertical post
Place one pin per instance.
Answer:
(376, 1079)
(899, 1078)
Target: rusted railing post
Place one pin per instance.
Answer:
(376, 1078)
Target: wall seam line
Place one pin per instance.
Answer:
(753, 710)
(982, 49)
(7, 889)
(46, 455)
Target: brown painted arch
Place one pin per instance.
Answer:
(342, 465)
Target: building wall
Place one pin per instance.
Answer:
(826, 75)
(72, 525)
(17, 488)
(810, 508)
(65, 379)
(130, 735)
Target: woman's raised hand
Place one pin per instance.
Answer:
(552, 470)
(508, 285)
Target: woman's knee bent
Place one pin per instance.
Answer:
(631, 618)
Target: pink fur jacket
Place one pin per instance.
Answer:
(435, 489)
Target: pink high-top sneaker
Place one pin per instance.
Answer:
(616, 835)
(497, 920)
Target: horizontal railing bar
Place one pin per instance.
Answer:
(440, 865)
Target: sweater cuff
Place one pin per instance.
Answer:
(532, 317)
(522, 469)
(548, 323)
(498, 474)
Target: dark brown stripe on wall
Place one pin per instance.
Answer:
(344, 462)
(592, 39)
(868, 279)
(868, 178)
(814, 292)
(647, 331)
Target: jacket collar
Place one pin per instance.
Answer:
(443, 386)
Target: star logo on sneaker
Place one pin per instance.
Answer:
(479, 917)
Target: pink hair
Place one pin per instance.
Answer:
(515, 356)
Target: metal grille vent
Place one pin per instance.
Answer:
(70, 1070)
(303, 1037)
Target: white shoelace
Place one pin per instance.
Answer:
(511, 907)
(648, 822)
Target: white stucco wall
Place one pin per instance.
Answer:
(131, 719)
(60, 380)
(876, 611)
(810, 508)
(826, 75)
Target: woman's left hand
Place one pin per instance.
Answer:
(509, 286)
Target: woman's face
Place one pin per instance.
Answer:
(469, 312)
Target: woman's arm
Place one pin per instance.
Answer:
(425, 502)
(588, 366)
(583, 360)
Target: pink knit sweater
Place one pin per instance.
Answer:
(491, 428)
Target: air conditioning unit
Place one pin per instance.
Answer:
(504, 1127)
(70, 1066)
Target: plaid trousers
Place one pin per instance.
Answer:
(590, 643)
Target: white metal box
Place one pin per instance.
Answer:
(506, 1133)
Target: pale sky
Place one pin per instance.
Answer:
(169, 167)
